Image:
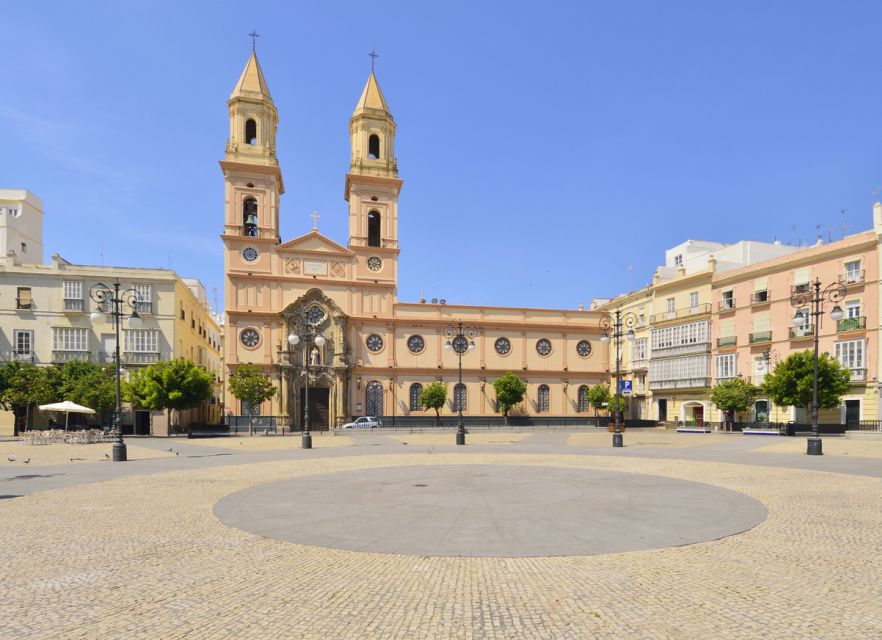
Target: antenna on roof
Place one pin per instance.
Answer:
(101, 251)
(842, 220)
(818, 236)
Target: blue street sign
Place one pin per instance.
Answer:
(625, 386)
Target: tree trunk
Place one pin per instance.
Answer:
(250, 420)
(437, 417)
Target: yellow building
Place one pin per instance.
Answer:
(379, 352)
(45, 318)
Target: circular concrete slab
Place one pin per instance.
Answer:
(489, 510)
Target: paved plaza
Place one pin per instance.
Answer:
(526, 535)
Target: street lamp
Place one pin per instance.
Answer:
(113, 301)
(460, 338)
(815, 297)
(617, 323)
(310, 334)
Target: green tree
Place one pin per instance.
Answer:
(733, 395)
(24, 386)
(89, 384)
(791, 383)
(177, 385)
(433, 396)
(611, 404)
(598, 396)
(509, 392)
(251, 385)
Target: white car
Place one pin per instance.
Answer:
(365, 422)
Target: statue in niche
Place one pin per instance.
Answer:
(314, 356)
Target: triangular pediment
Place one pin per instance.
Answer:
(313, 242)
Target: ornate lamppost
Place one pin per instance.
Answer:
(616, 323)
(816, 298)
(112, 301)
(460, 338)
(308, 334)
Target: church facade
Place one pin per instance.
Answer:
(378, 353)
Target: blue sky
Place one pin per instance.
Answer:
(544, 146)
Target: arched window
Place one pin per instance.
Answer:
(374, 146)
(250, 131)
(249, 216)
(583, 399)
(415, 390)
(373, 398)
(542, 400)
(374, 229)
(460, 397)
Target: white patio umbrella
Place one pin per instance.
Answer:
(67, 406)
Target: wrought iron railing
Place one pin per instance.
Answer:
(726, 304)
(727, 341)
(858, 374)
(760, 297)
(802, 332)
(685, 312)
(852, 277)
(852, 324)
(62, 356)
(760, 336)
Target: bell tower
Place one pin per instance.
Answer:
(251, 170)
(372, 184)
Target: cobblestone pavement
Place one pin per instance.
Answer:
(142, 556)
(270, 443)
(61, 453)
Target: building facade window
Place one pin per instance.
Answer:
(416, 389)
(70, 339)
(670, 305)
(73, 295)
(850, 354)
(582, 399)
(373, 224)
(638, 349)
(542, 399)
(373, 398)
(141, 340)
(460, 397)
(678, 260)
(23, 298)
(726, 366)
(693, 300)
(691, 333)
(853, 271)
(727, 300)
(23, 340)
(145, 298)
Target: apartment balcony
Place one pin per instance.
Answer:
(858, 375)
(760, 297)
(640, 364)
(678, 314)
(131, 357)
(72, 304)
(62, 356)
(851, 324)
(759, 337)
(144, 307)
(682, 383)
(805, 287)
(720, 379)
(24, 304)
(802, 332)
(727, 341)
(681, 350)
(726, 304)
(853, 277)
(21, 356)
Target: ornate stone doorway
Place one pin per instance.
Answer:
(319, 404)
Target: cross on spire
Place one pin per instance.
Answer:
(315, 216)
(254, 36)
(374, 55)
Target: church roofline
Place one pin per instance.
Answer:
(290, 244)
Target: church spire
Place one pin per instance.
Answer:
(372, 98)
(372, 132)
(253, 117)
(251, 83)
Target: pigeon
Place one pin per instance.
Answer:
(177, 453)
(27, 461)
(404, 443)
(169, 450)
(11, 458)
(107, 455)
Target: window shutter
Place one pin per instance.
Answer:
(727, 328)
(760, 322)
(802, 276)
(761, 285)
